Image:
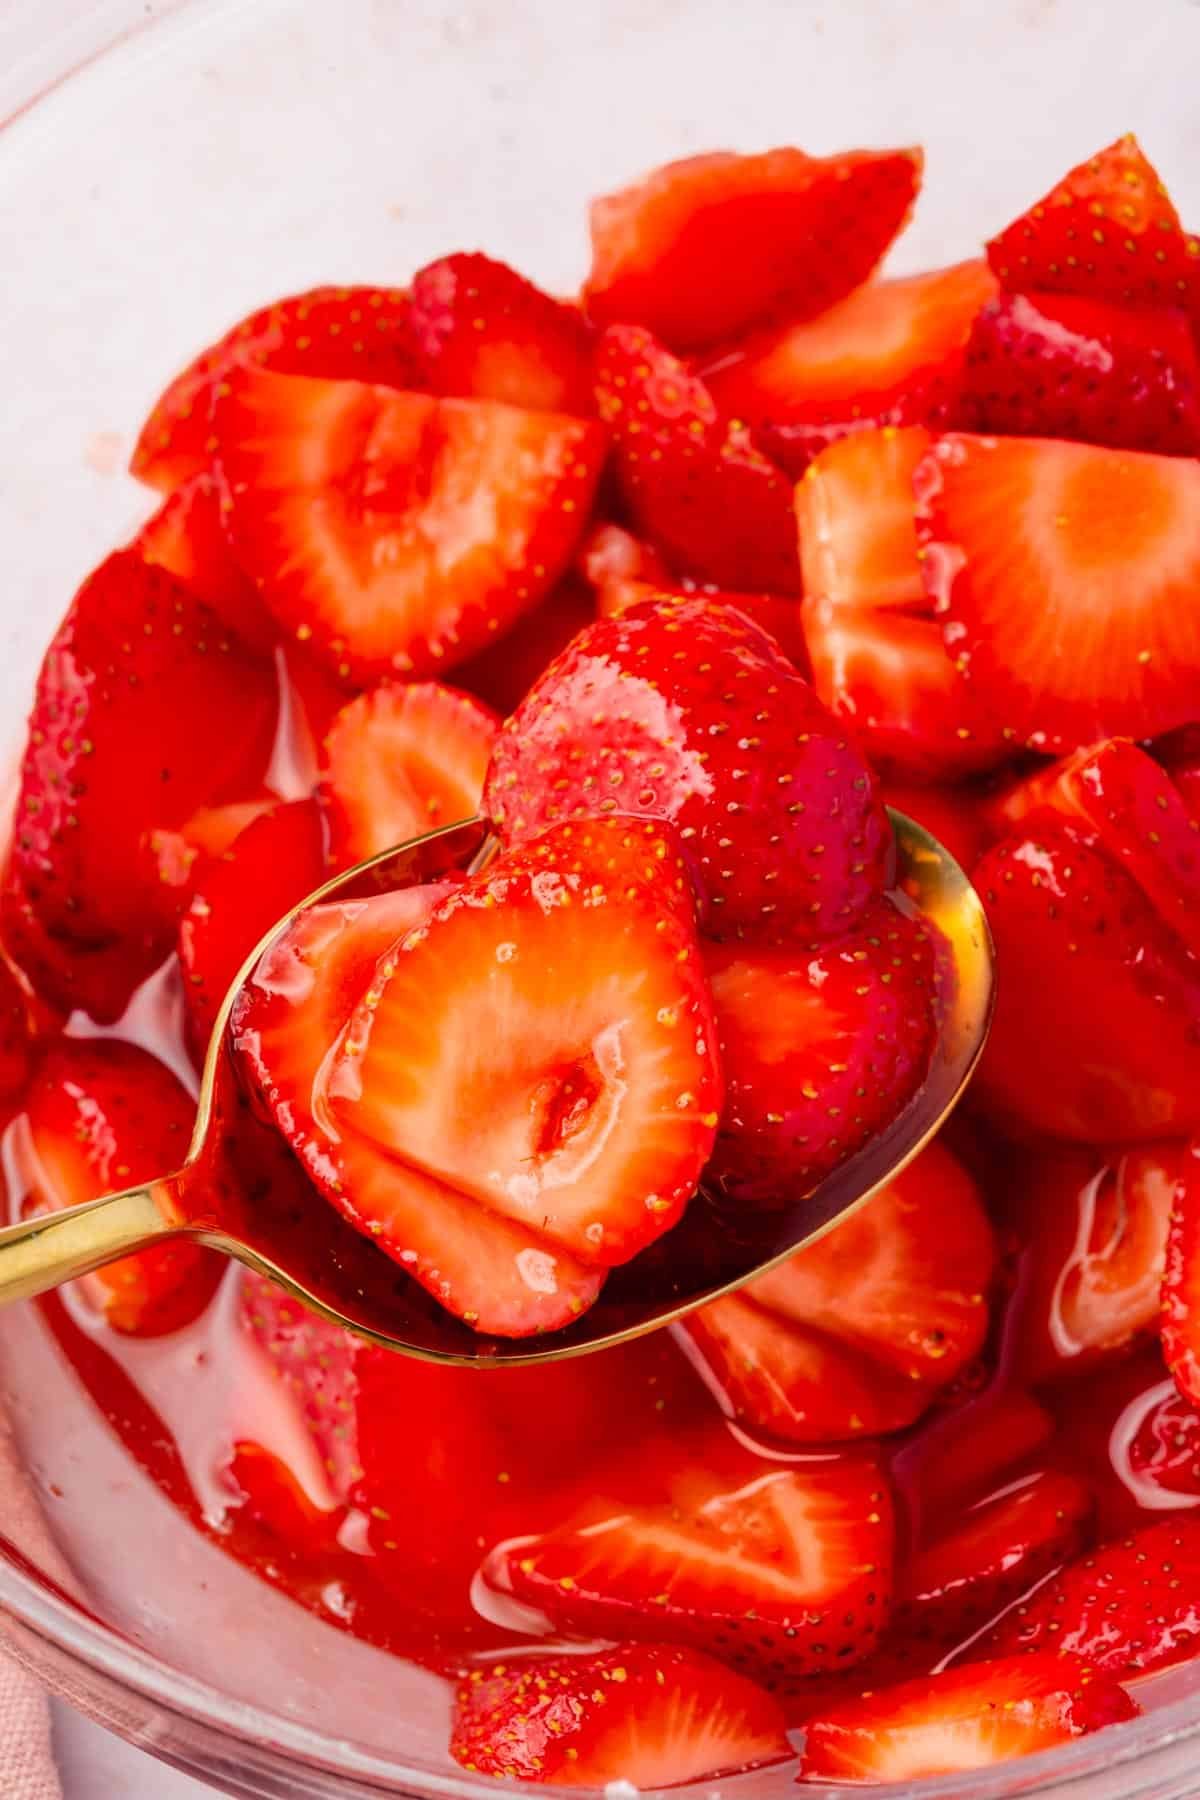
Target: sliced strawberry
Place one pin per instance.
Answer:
(504, 671)
(182, 856)
(788, 1575)
(357, 332)
(1164, 1453)
(15, 1032)
(187, 538)
(485, 333)
(1060, 365)
(104, 1114)
(1181, 1280)
(400, 761)
(953, 815)
(890, 353)
(1095, 1033)
(1129, 1607)
(878, 657)
(779, 616)
(268, 869)
(646, 1714)
(964, 1452)
(691, 476)
(961, 1720)
(1063, 575)
(610, 557)
(1107, 229)
(683, 710)
(703, 248)
(821, 1052)
(356, 511)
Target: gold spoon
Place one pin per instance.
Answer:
(271, 1220)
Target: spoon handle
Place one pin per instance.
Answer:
(55, 1247)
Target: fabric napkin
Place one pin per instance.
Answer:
(27, 1769)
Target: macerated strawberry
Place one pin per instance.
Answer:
(502, 673)
(361, 333)
(705, 247)
(960, 1720)
(355, 509)
(187, 538)
(788, 1575)
(683, 710)
(1063, 576)
(1060, 365)
(399, 761)
(103, 1115)
(15, 1032)
(953, 815)
(1165, 1449)
(691, 476)
(1181, 1278)
(879, 659)
(611, 557)
(779, 615)
(483, 332)
(890, 353)
(653, 1715)
(966, 1450)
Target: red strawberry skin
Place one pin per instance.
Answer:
(483, 332)
(683, 710)
(501, 674)
(1181, 1280)
(187, 538)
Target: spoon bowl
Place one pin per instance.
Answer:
(242, 1192)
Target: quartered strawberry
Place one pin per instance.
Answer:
(104, 1114)
(268, 869)
(356, 512)
(854, 1336)
(703, 248)
(1095, 1034)
(187, 538)
(683, 710)
(953, 815)
(1181, 1279)
(961, 1720)
(649, 1714)
(820, 1051)
(483, 332)
(890, 353)
(360, 333)
(1108, 229)
(1129, 1607)
(1063, 576)
(788, 1575)
(690, 475)
(502, 673)
(878, 656)
(400, 761)
(1061, 365)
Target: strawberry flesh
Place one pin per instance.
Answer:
(1181, 1279)
(187, 538)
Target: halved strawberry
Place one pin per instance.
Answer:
(356, 511)
(187, 538)
(1181, 1279)
(787, 1575)
(1060, 365)
(502, 673)
(961, 1720)
(705, 247)
(651, 1715)
(1063, 575)
(878, 657)
(683, 710)
(690, 475)
(1095, 1035)
(953, 815)
(821, 1051)
(483, 332)
(361, 333)
(1129, 1607)
(104, 1114)
(400, 761)
(1107, 229)
(890, 353)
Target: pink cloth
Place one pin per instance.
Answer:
(26, 1756)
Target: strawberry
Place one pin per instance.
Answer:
(502, 673)
(1094, 1037)
(400, 761)
(483, 332)
(611, 558)
(1107, 230)
(103, 1115)
(682, 709)
(890, 353)
(785, 1576)
(1060, 365)
(357, 332)
(821, 1051)
(965, 1451)
(690, 475)
(15, 1032)
(1164, 1452)
(647, 1714)
(703, 248)
(1129, 1607)
(187, 538)
(878, 656)
(268, 869)
(961, 1720)
(1062, 574)
(950, 814)
(1181, 1279)
(356, 512)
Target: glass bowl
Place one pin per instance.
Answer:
(163, 169)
